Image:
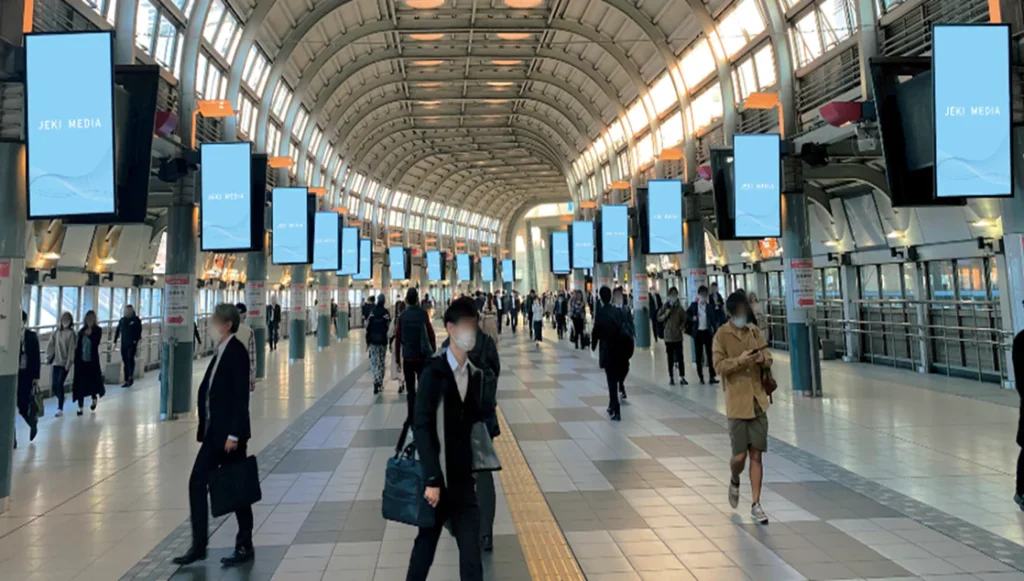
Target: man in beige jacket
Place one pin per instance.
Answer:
(740, 356)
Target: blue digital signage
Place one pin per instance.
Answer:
(463, 267)
(757, 176)
(973, 110)
(508, 270)
(396, 263)
(664, 216)
(291, 217)
(582, 244)
(434, 265)
(614, 233)
(365, 271)
(487, 268)
(349, 250)
(225, 208)
(326, 246)
(69, 114)
(560, 253)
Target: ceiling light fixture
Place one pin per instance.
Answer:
(500, 83)
(506, 63)
(514, 35)
(427, 63)
(832, 243)
(427, 36)
(50, 256)
(424, 4)
(745, 254)
(981, 223)
(894, 235)
(428, 85)
(521, 4)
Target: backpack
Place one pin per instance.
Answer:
(625, 343)
(377, 331)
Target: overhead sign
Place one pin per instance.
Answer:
(349, 250)
(463, 267)
(326, 241)
(396, 263)
(560, 263)
(614, 233)
(582, 244)
(508, 270)
(365, 260)
(291, 218)
(225, 210)
(664, 216)
(434, 265)
(757, 175)
(487, 268)
(973, 110)
(69, 113)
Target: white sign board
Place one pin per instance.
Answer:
(323, 300)
(179, 295)
(256, 303)
(7, 267)
(801, 282)
(641, 290)
(298, 298)
(696, 278)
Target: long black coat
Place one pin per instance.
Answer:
(228, 396)
(31, 373)
(607, 328)
(88, 380)
(1018, 380)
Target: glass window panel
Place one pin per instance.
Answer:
(740, 26)
(891, 282)
(112, 12)
(910, 280)
(746, 79)
(315, 138)
(179, 46)
(308, 169)
(764, 63)
(869, 281)
(832, 285)
(637, 117)
(236, 37)
(248, 117)
(707, 107)
(69, 301)
(166, 36)
(697, 64)
(282, 98)
(663, 93)
(146, 18)
(993, 274)
(301, 120)
(671, 130)
(49, 306)
(616, 133)
(837, 21)
(940, 279)
(806, 39)
(225, 34)
(273, 138)
(213, 20)
(970, 273)
(120, 300)
(644, 150)
(201, 65)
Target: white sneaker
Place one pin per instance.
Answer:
(734, 493)
(59, 414)
(758, 513)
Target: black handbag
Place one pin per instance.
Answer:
(234, 486)
(485, 458)
(404, 485)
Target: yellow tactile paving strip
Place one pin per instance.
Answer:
(547, 552)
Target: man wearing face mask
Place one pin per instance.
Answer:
(741, 356)
(129, 331)
(672, 318)
(700, 321)
(224, 433)
(450, 402)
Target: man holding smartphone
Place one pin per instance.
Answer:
(740, 356)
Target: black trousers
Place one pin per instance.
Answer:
(538, 331)
(487, 498)
(275, 334)
(463, 511)
(615, 377)
(501, 319)
(26, 405)
(577, 332)
(128, 360)
(702, 342)
(560, 321)
(411, 368)
(211, 456)
(1020, 473)
(514, 321)
(674, 350)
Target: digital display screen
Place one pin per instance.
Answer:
(757, 176)
(69, 111)
(396, 263)
(973, 110)
(560, 253)
(487, 268)
(326, 248)
(614, 233)
(349, 250)
(290, 212)
(583, 244)
(664, 216)
(434, 265)
(508, 270)
(226, 203)
(463, 267)
(365, 260)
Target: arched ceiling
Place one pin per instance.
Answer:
(483, 104)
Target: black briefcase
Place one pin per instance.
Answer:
(234, 486)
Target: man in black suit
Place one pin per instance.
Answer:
(224, 432)
(29, 366)
(700, 325)
(615, 348)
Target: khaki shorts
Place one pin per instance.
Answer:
(751, 433)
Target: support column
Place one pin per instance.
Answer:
(695, 267)
(179, 306)
(323, 312)
(256, 305)
(804, 360)
(531, 259)
(343, 286)
(848, 282)
(297, 324)
(638, 276)
(385, 285)
(12, 281)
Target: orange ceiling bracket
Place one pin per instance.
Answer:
(620, 185)
(995, 11)
(341, 210)
(319, 192)
(766, 101)
(670, 154)
(588, 204)
(280, 162)
(212, 108)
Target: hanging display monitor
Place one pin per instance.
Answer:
(226, 206)
(664, 224)
(614, 234)
(349, 250)
(560, 256)
(973, 110)
(434, 270)
(292, 213)
(487, 268)
(757, 185)
(365, 271)
(326, 241)
(69, 115)
(398, 263)
(463, 267)
(508, 270)
(582, 244)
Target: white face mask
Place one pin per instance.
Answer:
(465, 340)
(740, 321)
(216, 334)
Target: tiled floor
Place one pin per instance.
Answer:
(878, 480)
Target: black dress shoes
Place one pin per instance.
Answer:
(191, 556)
(241, 556)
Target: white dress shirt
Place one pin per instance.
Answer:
(702, 316)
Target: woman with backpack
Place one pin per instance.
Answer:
(377, 325)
